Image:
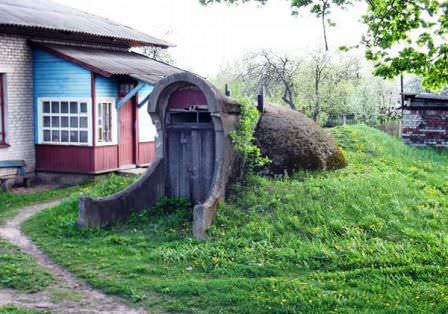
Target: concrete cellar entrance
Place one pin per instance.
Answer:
(195, 157)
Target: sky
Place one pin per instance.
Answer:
(207, 38)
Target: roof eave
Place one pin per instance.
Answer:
(131, 41)
(70, 59)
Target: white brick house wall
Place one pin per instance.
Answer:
(16, 63)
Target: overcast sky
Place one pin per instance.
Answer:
(208, 37)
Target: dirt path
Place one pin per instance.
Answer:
(68, 294)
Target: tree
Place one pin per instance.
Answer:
(403, 36)
(326, 84)
(275, 73)
(157, 53)
(374, 101)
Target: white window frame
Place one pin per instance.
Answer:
(40, 121)
(114, 127)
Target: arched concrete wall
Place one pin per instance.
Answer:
(151, 187)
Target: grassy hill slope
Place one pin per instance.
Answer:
(371, 237)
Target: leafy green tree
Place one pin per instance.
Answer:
(322, 83)
(373, 101)
(326, 85)
(402, 35)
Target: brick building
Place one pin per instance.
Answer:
(73, 96)
(425, 120)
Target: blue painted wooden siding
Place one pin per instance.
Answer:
(105, 87)
(55, 77)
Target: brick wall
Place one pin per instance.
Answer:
(425, 127)
(16, 62)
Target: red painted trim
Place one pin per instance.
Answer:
(105, 158)
(146, 153)
(136, 130)
(118, 127)
(93, 92)
(3, 108)
(77, 159)
(70, 59)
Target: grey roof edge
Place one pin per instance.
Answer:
(50, 15)
(160, 43)
(426, 96)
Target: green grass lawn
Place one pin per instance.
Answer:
(20, 271)
(10, 203)
(369, 238)
(15, 310)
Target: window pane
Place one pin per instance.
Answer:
(64, 136)
(83, 107)
(47, 137)
(73, 107)
(47, 122)
(100, 134)
(64, 122)
(55, 122)
(46, 107)
(64, 107)
(83, 122)
(104, 122)
(74, 136)
(83, 136)
(74, 122)
(54, 107)
(55, 136)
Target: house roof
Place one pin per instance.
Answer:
(110, 62)
(426, 101)
(51, 16)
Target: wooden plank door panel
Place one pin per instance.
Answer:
(196, 173)
(174, 151)
(190, 162)
(207, 161)
(185, 164)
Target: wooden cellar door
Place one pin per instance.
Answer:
(190, 154)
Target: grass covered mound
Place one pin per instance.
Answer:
(20, 271)
(294, 142)
(370, 237)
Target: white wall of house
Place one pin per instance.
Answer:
(16, 63)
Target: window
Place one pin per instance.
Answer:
(2, 110)
(106, 122)
(65, 122)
